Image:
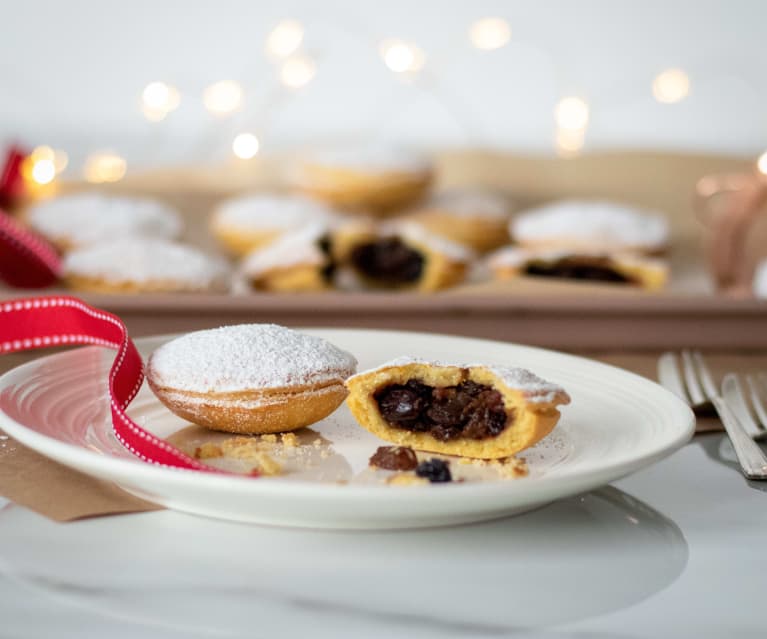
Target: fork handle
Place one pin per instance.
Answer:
(753, 462)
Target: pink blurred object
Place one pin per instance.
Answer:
(11, 180)
(730, 206)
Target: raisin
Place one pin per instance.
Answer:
(435, 470)
(389, 261)
(398, 404)
(394, 458)
(469, 410)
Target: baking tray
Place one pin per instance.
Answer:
(570, 316)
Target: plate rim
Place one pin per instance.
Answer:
(78, 457)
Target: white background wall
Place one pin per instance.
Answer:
(71, 73)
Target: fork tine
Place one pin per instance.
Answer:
(709, 386)
(735, 396)
(670, 377)
(756, 400)
(691, 379)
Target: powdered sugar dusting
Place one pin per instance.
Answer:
(271, 211)
(594, 221)
(145, 261)
(413, 232)
(293, 248)
(535, 389)
(248, 357)
(87, 218)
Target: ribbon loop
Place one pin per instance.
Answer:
(61, 320)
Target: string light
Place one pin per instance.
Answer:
(284, 39)
(43, 171)
(60, 160)
(43, 164)
(222, 98)
(402, 57)
(297, 71)
(105, 167)
(572, 113)
(671, 86)
(569, 142)
(245, 146)
(490, 33)
(761, 163)
(158, 99)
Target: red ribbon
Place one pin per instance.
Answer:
(27, 260)
(11, 179)
(61, 320)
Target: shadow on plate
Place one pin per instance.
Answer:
(577, 558)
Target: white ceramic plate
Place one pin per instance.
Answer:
(617, 423)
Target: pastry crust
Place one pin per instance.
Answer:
(238, 242)
(531, 404)
(272, 410)
(378, 181)
(445, 263)
(298, 278)
(648, 273)
(354, 190)
(477, 218)
(478, 233)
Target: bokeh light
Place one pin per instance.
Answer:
(43, 171)
(297, 71)
(245, 146)
(285, 39)
(569, 142)
(158, 99)
(761, 163)
(223, 98)
(490, 33)
(671, 86)
(105, 167)
(402, 57)
(572, 113)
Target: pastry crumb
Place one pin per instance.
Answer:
(289, 440)
(241, 447)
(512, 468)
(267, 466)
(406, 479)
(208, 451)
(269, 439)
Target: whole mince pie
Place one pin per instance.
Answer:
(478, 411)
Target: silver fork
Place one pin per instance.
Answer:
(753, 418)
(696, 386)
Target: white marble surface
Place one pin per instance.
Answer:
(675, 550)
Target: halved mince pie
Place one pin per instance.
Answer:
(401, 256)
(476, 411)
(593, 266)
